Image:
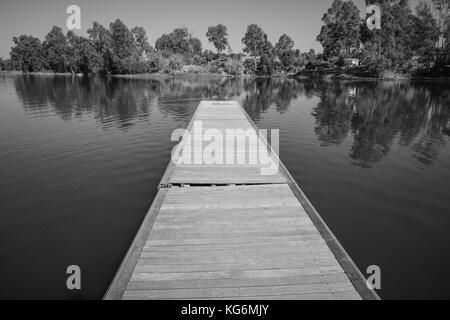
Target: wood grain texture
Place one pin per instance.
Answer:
(225, 231)
(223, 118)
(246, 242)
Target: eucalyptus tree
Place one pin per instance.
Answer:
(83, 56)
(390, 47)
(425, 34)
(140, 37)
(102, 40)
(28, 54)
(218, 36)
(284, 49)
(56, 49)
(442, 11)
(257, 44)
(339, 34)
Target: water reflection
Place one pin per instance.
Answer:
(375, 115)
(260, 94)
(80, 165)
(380, 115)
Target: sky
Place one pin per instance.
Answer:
(301, 20)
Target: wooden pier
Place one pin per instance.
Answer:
(229, 232)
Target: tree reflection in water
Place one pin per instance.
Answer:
(381, 114)
(376, 115)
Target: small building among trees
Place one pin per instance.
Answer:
(351, 62)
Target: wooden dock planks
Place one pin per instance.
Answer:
(234, 234)
(222, 116)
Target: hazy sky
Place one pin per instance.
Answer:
(300, 19)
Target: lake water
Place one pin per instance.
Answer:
(80, 161)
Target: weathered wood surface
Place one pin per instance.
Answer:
(223, 116)
(259, 240)
(236, 242)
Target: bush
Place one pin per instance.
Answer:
(213, 68)
(216, 66)
(9, 65)
(209, 56)
(135, 65)
(193, 69)
(234, 66)
(172, 64)
(265, 66)
(249, 66)
(153, 63)
(187, 60)
(198, 60)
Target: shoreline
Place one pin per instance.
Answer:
(159, 76)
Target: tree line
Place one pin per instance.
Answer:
(120, 50)
(407, 43)
(377, 115)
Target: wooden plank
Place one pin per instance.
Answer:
(244, 292)
(348, 265)
(311, 245)
(223, 118)
(149, 265)
(254, 239)
(261, 261)
(234, 233)
(238, 282)
(231, 274)
(248, 262)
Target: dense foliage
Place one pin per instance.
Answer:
(218, 35)
(408, 42)
(28, 54)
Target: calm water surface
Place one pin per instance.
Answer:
(80, 160)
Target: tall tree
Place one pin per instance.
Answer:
(181, 38)
(256, 44)
(285, 43)
(446, 36)
(442, 10)
(141, 40)
(390, 47)
(123, 46)
(254, 40)
(56, 49)
(83, 55)
(195, 46)
(340, 33)
(102, 41)
(284, 50)
(218, 35)
(165, 43)
(101, 36)
(425, 34)
(28, 54)
(123, 42)
(179, 41)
